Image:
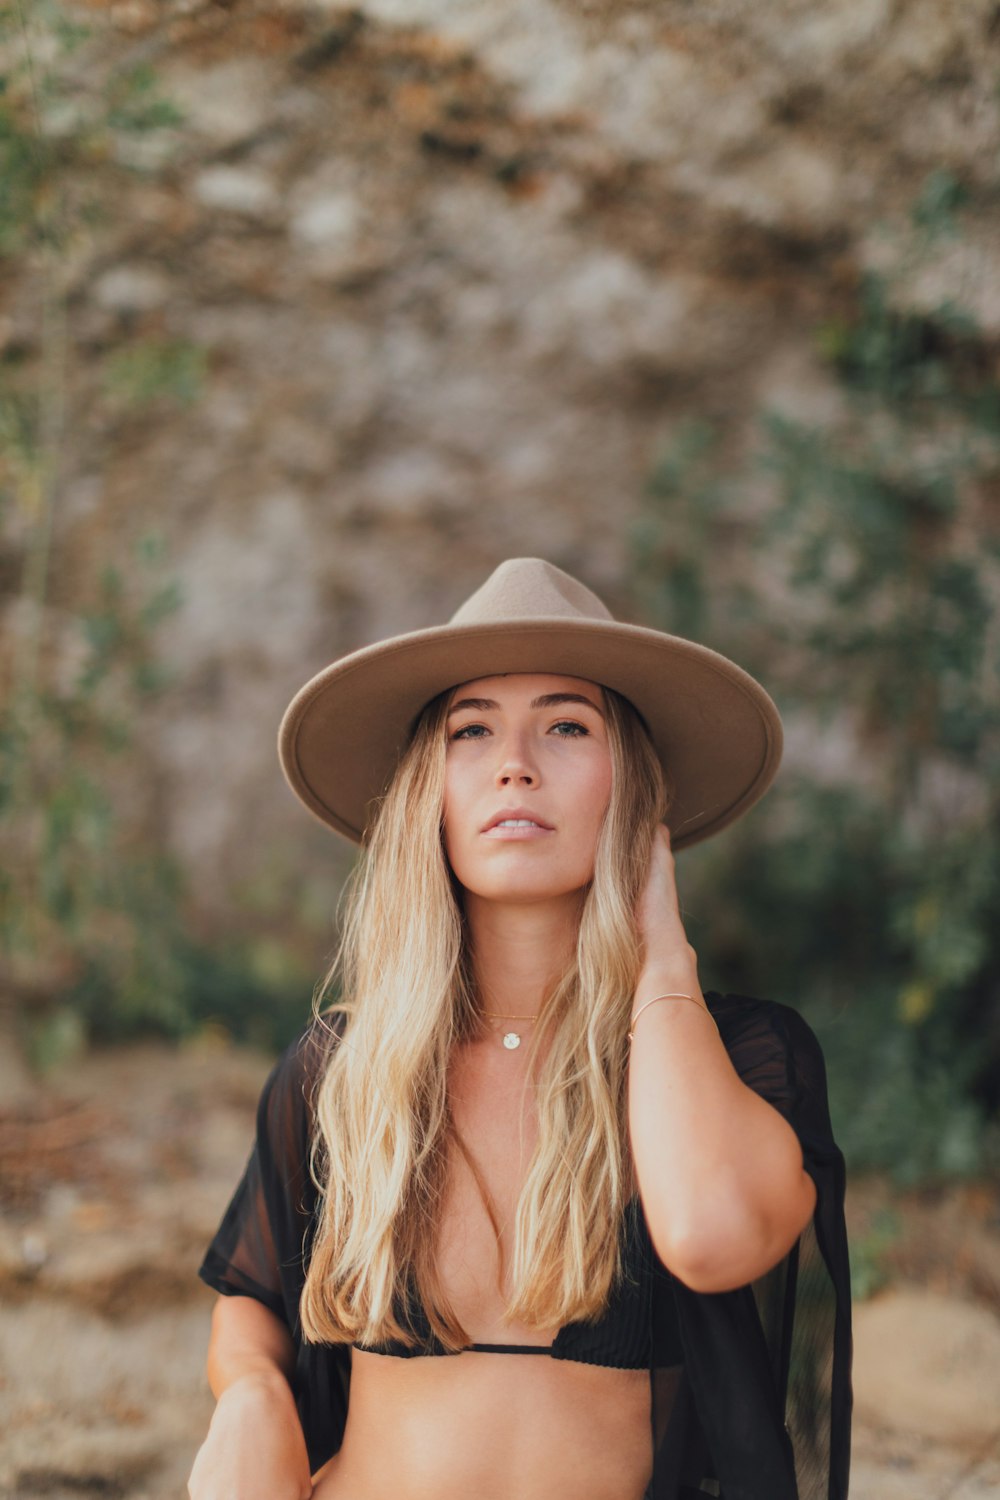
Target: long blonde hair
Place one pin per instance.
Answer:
(382, 1122)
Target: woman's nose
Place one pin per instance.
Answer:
(516, 766)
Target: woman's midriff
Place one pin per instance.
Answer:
(493, 1426)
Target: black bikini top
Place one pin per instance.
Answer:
(621, 1337)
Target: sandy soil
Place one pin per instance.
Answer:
(112, 1179)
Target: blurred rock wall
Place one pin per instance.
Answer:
(458, 268)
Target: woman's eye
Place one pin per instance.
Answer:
(564, 729)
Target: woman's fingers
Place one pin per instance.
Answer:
(660, 891)
(659, 919)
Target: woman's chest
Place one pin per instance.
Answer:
(495, 1134)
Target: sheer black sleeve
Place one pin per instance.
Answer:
(261, 1247)
(257, 1249)
(769, 1364)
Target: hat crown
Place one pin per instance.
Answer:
(529, 588)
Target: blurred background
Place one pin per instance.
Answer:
(309, 316)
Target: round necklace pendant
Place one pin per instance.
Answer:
(511, 1040)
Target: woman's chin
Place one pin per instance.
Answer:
(527, 892)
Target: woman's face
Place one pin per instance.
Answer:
(527, 783)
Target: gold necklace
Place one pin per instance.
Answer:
(510, 1039)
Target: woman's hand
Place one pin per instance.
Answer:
(254, 1448)
(668, 957)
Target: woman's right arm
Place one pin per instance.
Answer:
(254, 1448)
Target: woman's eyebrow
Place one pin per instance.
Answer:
(548, 700)
(481, 705)
(552, 700)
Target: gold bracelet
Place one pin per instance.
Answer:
(646, 1004)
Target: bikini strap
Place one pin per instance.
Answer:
(511, 1348)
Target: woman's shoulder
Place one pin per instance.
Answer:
(747, 1016)
(298, 1071)
(309, 1050)
(773, 1048)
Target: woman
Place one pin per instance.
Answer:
(528, 1214)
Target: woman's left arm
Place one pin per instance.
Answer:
(720, 1171)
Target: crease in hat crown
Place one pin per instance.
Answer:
(530, 588)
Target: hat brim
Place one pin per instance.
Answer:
(716, 730)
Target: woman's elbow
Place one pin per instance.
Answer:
(739, 1245)
(247, 1339)
(704, 1267)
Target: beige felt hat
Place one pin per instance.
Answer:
(717, 731)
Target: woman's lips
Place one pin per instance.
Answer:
(517, 830)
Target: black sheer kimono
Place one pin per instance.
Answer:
(754, 1403)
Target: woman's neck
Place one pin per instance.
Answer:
(517, 951)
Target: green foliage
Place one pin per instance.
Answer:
(936, 210)
(96, 937)
(155, 369)
(94, 927)
(62, 116)
(216, 986)
(859, 584)
(906, 356)
(76, 893)
(135, 105)
(869, 1254)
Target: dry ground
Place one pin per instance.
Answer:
(113, 1176)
